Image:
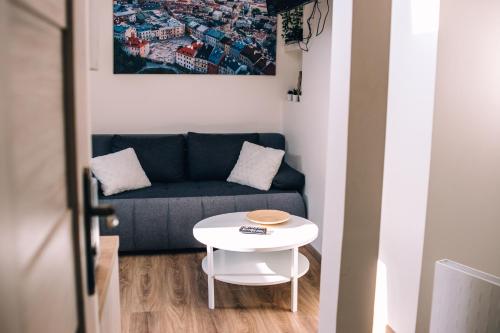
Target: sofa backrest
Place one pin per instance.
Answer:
(102, 144)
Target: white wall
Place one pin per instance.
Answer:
(336, 163)
(463, 211)
(407, 160)
(181, 103)
(305, 124)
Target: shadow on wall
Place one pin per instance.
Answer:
(294, 160)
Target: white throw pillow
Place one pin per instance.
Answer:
(256, 166)
(119, 172)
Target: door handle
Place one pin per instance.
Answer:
(106, 211)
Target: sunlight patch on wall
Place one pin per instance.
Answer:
(380, 310)
(424, 16)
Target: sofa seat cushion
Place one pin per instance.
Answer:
(192, 189)
(161, 156)
(154, 224)
(213, 156)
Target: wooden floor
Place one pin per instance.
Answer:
(168, 293)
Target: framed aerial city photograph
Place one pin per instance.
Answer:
(226, 37)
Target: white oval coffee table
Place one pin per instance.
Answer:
(254, 260)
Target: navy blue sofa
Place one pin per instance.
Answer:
(188, 175)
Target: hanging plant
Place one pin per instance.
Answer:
(291, 23)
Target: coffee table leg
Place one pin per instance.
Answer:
(295, 282)
(210, 258)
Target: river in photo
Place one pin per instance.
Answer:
(155, 68)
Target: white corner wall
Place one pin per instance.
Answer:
(336, 163)
(180, 103)
(441, 195)
(305, 124)
(463, 211)
(414, 30)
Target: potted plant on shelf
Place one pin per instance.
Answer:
(290, 95)
(295, 95)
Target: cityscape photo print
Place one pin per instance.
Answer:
(229, 37)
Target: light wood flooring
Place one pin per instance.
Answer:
(168, 293)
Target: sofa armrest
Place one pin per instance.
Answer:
(288, 178)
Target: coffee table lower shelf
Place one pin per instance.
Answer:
(256, 269)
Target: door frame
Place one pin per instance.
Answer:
(71, 161)
(9, 307)
(78, 149)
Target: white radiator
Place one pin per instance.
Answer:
(464, 300)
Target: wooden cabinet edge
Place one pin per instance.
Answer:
(107, 284)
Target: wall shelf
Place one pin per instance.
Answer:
(292, 47)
